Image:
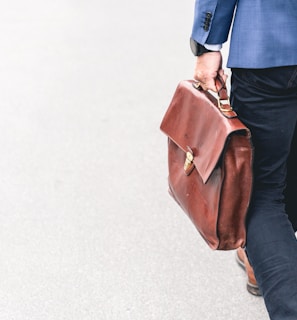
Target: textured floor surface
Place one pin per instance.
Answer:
(87, 229)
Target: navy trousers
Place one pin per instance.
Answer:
(266, 101)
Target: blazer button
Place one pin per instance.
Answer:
(207, 20)
(206, 27)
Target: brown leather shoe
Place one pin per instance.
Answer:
(242, 260)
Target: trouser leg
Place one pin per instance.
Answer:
(266, 101)
(291, 187)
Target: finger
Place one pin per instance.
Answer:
(206, 86)
(223, 75)
(211, 85)
(206, 83)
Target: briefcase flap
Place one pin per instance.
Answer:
(194, 122)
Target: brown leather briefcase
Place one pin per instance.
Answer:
(210, 163)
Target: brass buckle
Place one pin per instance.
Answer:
(189, 165)
(197, 85)
(224, 102)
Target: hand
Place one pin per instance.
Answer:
(208, 67)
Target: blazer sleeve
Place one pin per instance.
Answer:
(212, 20)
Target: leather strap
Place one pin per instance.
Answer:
(223, 98)
(221, 88)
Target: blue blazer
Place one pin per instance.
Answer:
(264, 32)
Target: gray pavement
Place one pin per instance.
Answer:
(87, 229)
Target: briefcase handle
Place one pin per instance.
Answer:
(222, 96)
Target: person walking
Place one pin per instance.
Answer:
(263, 61)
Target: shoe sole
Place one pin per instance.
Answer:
(254, 290)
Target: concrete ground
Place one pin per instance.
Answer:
(87, 229)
